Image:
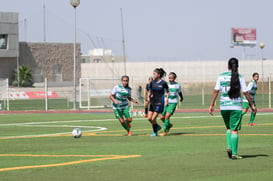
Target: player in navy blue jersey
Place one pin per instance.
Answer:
(158, 95)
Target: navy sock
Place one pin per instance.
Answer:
(155, 128)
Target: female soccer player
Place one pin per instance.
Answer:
(146, 103)
(119, 96)
(157, 90)
(231, 84)
(252, 89)
(175, 91)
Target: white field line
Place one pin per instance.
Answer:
(96, 128)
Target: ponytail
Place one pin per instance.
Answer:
(235, 87)
(160, 71)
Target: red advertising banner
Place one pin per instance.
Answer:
(243, 36)
(32, 95)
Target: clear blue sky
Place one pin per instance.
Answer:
(154, 29)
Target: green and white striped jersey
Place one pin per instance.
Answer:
(252, 89)
(121, 94)
(223, 85)
(174, 89)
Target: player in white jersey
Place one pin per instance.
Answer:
(252, 89)
(119, 96)
(174, 94)
(231, 84)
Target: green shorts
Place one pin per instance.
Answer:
(119, 113)
(245, 105)
(232, 119)
(170, 108)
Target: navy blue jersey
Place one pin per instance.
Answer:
(158, 89)
(147, 87)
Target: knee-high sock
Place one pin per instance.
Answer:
(252, 117)
(146, 110)
(125, 126)
(228, 138)
(166, 124)
(234, 144)
(155, 127)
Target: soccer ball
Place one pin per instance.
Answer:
(76, 133)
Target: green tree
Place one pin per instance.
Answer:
(25, 77)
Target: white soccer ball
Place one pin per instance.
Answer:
(76, 133)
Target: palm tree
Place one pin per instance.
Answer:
(25, 77)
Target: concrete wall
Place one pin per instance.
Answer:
(9, 27)
(51, 60)
(187, 71)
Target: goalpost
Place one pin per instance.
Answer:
(4, 92)
(94, 93)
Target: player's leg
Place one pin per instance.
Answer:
(129, 119)
(252, 118)
(146, 106)
(235, 126)
(226, 117)
(119, 115)
(155, 126)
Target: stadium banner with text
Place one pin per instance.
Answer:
(32, 95)
(243, 36)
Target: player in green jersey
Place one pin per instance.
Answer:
(119, 96)
(231, 84)
(252, 89)
(174, 93)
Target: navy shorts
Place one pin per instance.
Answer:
(156, 106)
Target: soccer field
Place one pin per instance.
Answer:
(41, 147)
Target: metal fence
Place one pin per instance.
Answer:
(59, 95)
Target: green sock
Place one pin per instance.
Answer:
(166, 124)
(252, 117)
(125, 126)
(228, 138)
(234, 143)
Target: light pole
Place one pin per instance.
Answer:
(75, 4)
(262, 45)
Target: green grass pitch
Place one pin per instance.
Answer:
(41, 147)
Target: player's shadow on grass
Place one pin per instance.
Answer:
(254, 156)
(179, 133)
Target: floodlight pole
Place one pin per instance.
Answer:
(75, 4)
(262, 45)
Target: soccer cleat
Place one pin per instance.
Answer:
(229, 153)
(251, 124)
(154, 134)
(168, 129)
(236, 157)
(129, 133)
(145, 116)
(163, 133)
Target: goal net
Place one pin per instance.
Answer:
(4, 92)
(94, 93)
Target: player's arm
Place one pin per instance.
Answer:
(212, 102)
(167, 94)
(132, 100)
(181, 96)
(145, 94)
(251, 104)
(112, 98)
